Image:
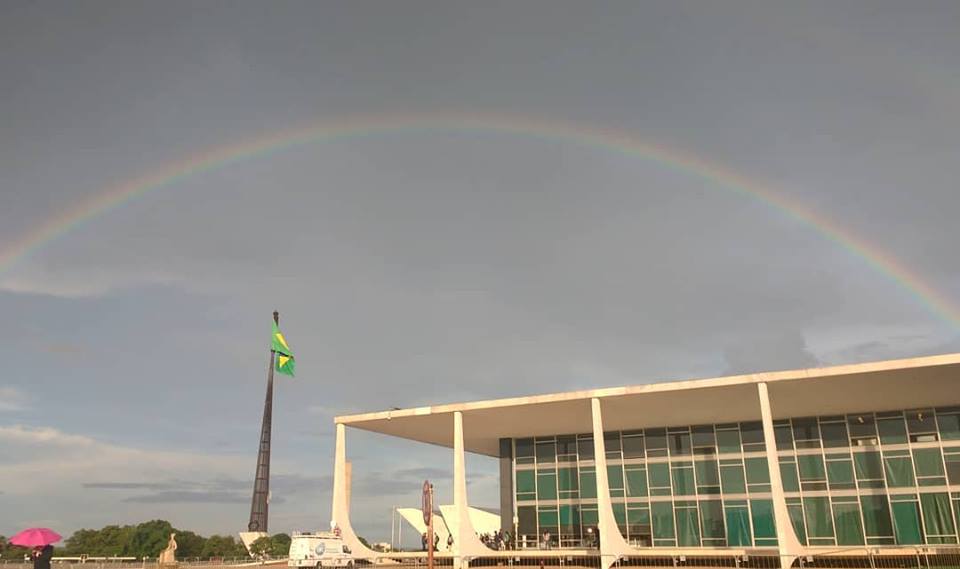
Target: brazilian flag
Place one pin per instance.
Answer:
(283, 360)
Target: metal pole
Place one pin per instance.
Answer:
(430, 533)
(260, 504)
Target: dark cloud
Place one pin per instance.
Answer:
(430, 265)
(769, 351)
(424, 472)
(192, 497)
(127, 485)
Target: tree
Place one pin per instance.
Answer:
(261, 547)
(277, 545)
(189, 544)
(149, 539)
(110, 541)
(222, 546)
(280, 545)
(9, 551)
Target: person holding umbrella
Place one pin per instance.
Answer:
(40, 539)
(42, 556)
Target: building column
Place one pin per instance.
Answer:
(612, 545)
(340, 511)
(790, 547)
(506, 485)
(466, 544)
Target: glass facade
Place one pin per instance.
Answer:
(885, 478)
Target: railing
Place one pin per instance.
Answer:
(889, 558)
(134, 563)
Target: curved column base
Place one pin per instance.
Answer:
(340, 511)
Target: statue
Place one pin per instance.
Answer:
(168, 557)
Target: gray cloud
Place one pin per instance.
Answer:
(430, 265)
(424, 472)
(125, 486)
(191, 497)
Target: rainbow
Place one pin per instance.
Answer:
(937, 303)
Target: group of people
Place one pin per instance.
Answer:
(498, 540)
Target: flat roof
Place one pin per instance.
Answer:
(875, 386)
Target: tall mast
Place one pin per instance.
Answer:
(261, 482)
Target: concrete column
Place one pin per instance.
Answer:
(787, 540)
(466, 544)
(340, 511)
(612, 544)
(506, 485)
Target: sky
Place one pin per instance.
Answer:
(445, 261)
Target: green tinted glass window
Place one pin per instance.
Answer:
(633, 447)
(567, 479)
(688, 527)
(707, 473)
(527, 520)
(546, 486)
(868, 465)
(806, 429)
(876, 516)
(659, 475)
(728, 441)
(526, 481)
(679, 444)
(738, 526)
(662, 514)
(817, 517)
(589, 516)
(763, 526)
(811, 467)
(524, 447)
(585, 448)
(788, 475)
(796, 520)
(546, 452)
(834, 435)
(683, 482)
(846, 518)
(620, 514)
(751, 433)
(569, 516)
(757, 472)
(638, 516)
(928, 461)
(783, 435)
(732, 478)
(636, 482)
(892, 431)
(899, 472)
(615, 477)
(588, 484)
(906, 523)
(937, 518)
(711, 519)
(547, 516)
(840, 473)
(949, 427)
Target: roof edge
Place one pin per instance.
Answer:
(661, 386)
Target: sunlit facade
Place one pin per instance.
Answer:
(866, 478)
(856, 460)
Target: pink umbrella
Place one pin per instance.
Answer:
(35, 537)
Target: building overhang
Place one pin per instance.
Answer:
(888, 385)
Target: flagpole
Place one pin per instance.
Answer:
(260, 503)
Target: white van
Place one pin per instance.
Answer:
(319, 549)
